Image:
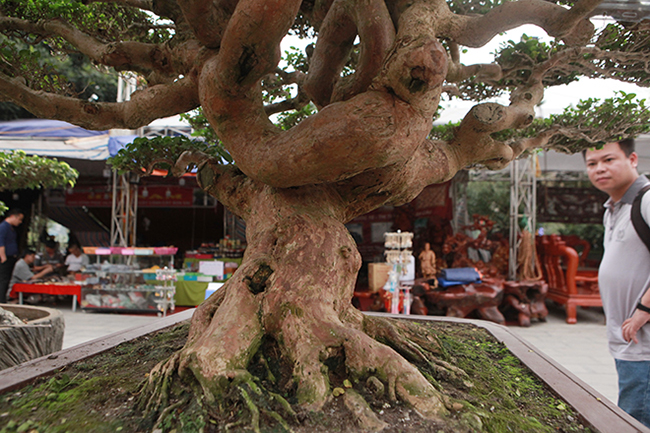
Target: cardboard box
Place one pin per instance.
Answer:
(377, 275)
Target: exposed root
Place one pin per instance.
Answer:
(155, 391)
(168, 410)
(252, 408)
(415, 347)
(365, 417)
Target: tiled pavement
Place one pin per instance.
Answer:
(580, 348)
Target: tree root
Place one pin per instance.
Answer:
(379, 358)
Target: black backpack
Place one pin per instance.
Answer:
(638, 222)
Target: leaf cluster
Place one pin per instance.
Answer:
(145, 154)
(18, 60)
(517, 59)
(629, 40)
(107, 22)
(594, 122)
(19, 171)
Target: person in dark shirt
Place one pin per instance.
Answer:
(8, 249)
(51, 258)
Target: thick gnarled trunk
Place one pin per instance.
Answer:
(295, 288)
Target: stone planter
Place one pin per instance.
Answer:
(595, 410)
(41, 335)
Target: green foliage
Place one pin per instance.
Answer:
(161, 152)
(105, 21)
(18, 171)
(491, 199)
(613, 119)
(593, 233)
(204, 130)
(297, 59)
(591, 123)
(520, 57)
(619, 37)
(26, 61)
(288, 119)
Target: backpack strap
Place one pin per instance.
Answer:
(638, 222)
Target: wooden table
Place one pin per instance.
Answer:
(48, 289)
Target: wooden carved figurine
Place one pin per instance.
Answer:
(428, 262)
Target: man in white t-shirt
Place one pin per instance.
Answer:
(76, 260)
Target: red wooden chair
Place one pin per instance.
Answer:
(567, 285)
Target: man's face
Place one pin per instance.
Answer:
(16, 220)
(610, 170)
(30, 258)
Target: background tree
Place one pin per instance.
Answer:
(20, 171)
(374, 77)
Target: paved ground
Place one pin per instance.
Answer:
(580, 348)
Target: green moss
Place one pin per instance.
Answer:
(289, 308)
(68, 400)
(505, 394)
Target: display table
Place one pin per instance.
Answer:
(48, 289)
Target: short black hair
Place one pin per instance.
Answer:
(27, 252)
(627, 146)
(15, 211)
(51, 243)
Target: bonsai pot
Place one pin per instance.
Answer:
(41, 335)
(595, 410)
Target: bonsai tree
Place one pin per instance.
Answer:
(374, 77)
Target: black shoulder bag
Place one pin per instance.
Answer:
(638, 222)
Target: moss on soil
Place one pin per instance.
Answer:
(99, 394)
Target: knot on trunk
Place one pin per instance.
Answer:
(257, 283)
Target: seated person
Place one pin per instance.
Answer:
(76, 260)
(22, 272)
(52, 256)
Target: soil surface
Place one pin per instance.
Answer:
(499, 394)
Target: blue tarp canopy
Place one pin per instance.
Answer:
(59, 139)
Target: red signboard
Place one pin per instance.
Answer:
(165, 196)
(89, 197)
(149, 196)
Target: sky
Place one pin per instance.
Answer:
(555, 98)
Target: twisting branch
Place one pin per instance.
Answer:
(208, 19)
(472, 31)
(289, 104)
(144, 107)
(121, 56)
(458, 72)
(341, 140)
(188, 160)
(370, 20)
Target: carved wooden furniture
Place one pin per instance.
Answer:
(482, 299)
(566, 284)
(524, 301)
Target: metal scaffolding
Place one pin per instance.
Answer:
(124, 213)
(523, 204)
